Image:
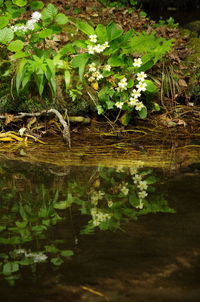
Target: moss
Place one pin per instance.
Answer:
(194, 26)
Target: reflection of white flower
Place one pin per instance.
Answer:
(137, 178)
(137, 62)
(142, 194)
(119, 169)
(141, 76)
(93, 38)
(124, 189)
(37, 257)
(133, 171)
(110, 203)
(142, 185)
(99, 216)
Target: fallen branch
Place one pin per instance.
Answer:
(66, 130)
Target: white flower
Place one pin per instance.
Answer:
(99, 48)
(137, 62)
(93, 38)
(119, 169)
(141, 76)
(107, 67)
(92, 67)
(90, 49)
(36, 16)
(135, 93)
(141, 205)
(20, 251)
(142, 185)
(141, 86)
(142, 194)
(30, 24)
(99, 77)
(119, 105)
(139, 106)
(91, 79)
(105, 45)
(132, 102)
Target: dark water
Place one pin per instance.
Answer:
(89, 234)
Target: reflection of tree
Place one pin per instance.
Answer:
(110, 197)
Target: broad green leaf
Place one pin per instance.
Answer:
(156, 106)
(143, 112)
(2, 228)
(51, 249)
(151, 87)
(68, 48)
(66, 253)
(67, 78)
(115, 61)
(45, 33)
(3, 21)
(61, 19)
(6, 35)
(10, 267)
(125, 118)
(35, 5)
(85, 28)
(15, 46)
(18, 55)
(20, 2)
(101, 33)
(49, 12)
(113, 32)
(79, 62)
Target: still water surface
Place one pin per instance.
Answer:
(98, 234)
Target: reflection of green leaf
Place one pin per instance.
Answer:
(51, 248)
(57, 261)
(133, 199)
(10, 267)
(66, 253)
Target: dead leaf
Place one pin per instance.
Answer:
(9, 118)
(182, 83)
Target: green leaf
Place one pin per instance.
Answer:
(51, 249)
(2, 228)
(45, 33)
(85, 28)
(101, 33)
(66, 253)
(35, 5)
(151, 87)
(10, 267)
(3, 21)
(156, 106)
(115, 61)
(113, 32)
(20, 2)
(61, 19)
(143, 112)
(125, 118)
(79, 62)
(57, 261)
(133, 199)
(6, 35)
(49, 12)
(15, 46)
(67, 77)
(21, 69)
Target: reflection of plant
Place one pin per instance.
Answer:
(27, 223)
(116, 195)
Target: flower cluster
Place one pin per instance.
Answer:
(98, 216)
(30, 24)
(98, 48)
(94, 73)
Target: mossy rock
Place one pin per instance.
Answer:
(194, 26)
(187, 34)
(194, 57)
